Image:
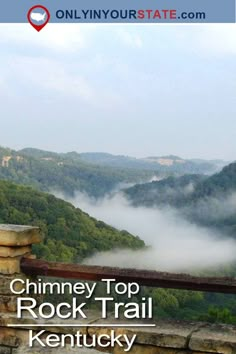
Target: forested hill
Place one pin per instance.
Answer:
(217, 185)
(184, 190)
(169, 164)
(70, 234)
(207, 201)
(48, 171)
(171, 191)
(96, 174)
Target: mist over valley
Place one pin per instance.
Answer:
(164, 219)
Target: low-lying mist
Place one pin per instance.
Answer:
(173, 243)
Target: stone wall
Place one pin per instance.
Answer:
(15, 242)
(168, 337)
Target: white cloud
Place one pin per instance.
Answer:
(55, 77)
(209, 39)
(70, 37)
(129, 37)
(49, 75)
(176, 245)
(220, 38)
(64, 75)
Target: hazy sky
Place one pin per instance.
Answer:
(125, 89)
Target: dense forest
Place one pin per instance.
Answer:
(207, 201)
(186, 189)
(70, 234)
(172, 191)
(169, 164)
(95, 174)
(47, 171)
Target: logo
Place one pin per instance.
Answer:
(38, 16)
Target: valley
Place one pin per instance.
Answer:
(163, 217)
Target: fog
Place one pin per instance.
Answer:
(213, 209)
(174, 244)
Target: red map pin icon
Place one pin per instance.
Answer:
(38, 16)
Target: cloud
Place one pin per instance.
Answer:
(125, 85)
(129, 37)
(69, 37)
(213, 210)
(220, 39)
(209, 39)
(59, 37)
(174, 244)
(48, 74)
(53, 77)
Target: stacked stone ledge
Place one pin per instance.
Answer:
(15, 242)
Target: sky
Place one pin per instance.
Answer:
(139, 90)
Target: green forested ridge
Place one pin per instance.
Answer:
(218, 185)
(68, 173)
(208, 201)
(170, 191)
(93, 173)
(70, 234)
(176, 164)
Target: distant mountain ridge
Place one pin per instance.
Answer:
(208, 201)
(95, 174)
(170, 163)
(67, 172)
(217, 185)
(171, 191)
